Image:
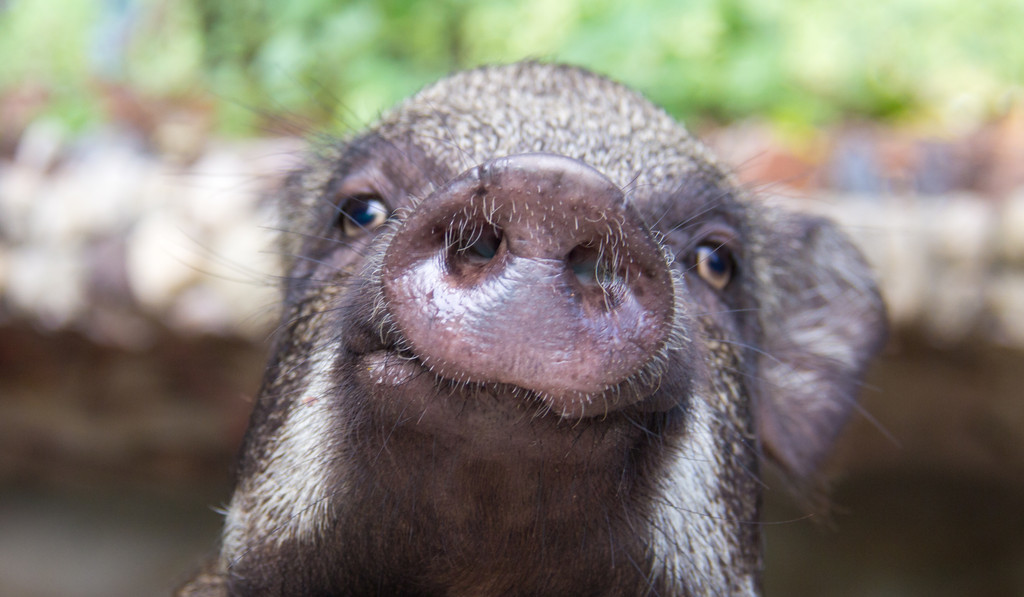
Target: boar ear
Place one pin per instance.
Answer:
(821, 321)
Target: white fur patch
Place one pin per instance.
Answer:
(692, 541)
(287, 499)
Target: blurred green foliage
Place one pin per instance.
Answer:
(801, 63)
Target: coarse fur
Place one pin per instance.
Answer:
(370, 469)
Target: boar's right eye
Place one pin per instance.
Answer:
(361, 214)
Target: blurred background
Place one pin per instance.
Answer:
(139, 140)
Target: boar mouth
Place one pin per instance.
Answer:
(403, 376)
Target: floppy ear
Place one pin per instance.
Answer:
(821, 321)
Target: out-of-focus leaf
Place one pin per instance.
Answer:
(339, 62)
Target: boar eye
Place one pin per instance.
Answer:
(360, 214)
(714, 264)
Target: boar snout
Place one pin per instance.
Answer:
(531, 270)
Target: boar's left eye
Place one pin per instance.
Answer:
(715, 264)
(361, 214)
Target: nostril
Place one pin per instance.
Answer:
(473, 246)
(485, 246)
(599, 286)
(590, 266)
(583, 263)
